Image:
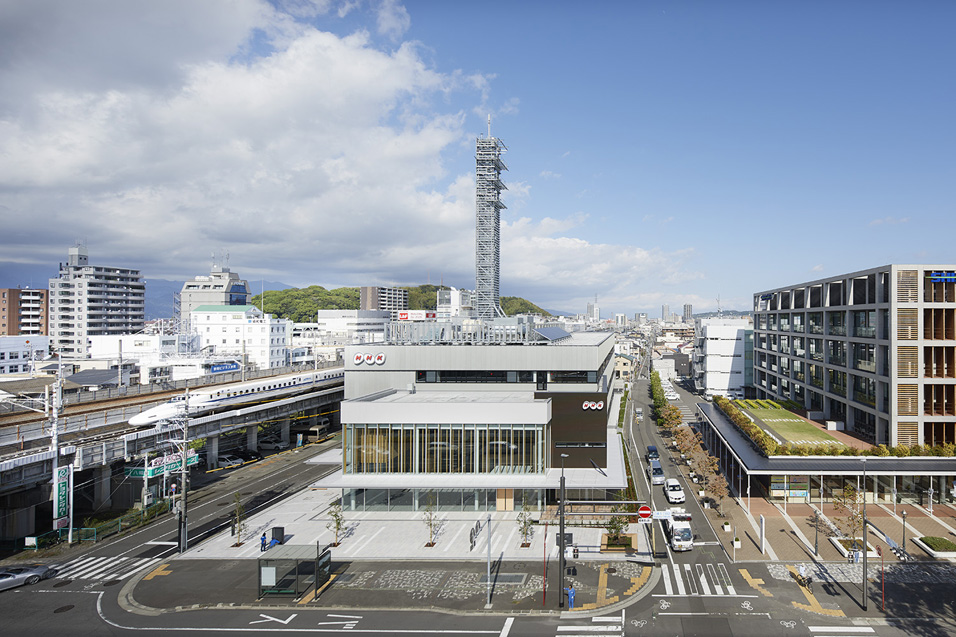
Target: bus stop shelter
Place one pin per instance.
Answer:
(290, 570)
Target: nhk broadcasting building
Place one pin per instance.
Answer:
(476, 415)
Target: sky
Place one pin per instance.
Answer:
(659, 152)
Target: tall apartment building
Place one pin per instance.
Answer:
(392, 300)
(220, 287)
(24, 312)
(723, 356)
(688, 313)
(666, 313)
(874, 349)
(88, 300)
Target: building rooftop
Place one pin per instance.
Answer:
(448, 397)
(225, 308)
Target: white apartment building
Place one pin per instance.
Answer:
(243, 331)
(723, 356)
(88, 300)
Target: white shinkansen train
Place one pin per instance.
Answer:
(252, 392)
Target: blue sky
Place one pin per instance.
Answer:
(659, 152)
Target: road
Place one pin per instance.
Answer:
(701, 592)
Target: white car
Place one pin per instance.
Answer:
(273, 444)
(228, 462)
(673, 491)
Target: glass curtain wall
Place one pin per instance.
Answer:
(444, 448)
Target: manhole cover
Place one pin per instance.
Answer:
(63, 609)
(519, 566)
(112, 582)
(611, 570)
(63, 583)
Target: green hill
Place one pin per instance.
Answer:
(301, 304)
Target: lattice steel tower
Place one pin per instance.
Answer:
(488, 167)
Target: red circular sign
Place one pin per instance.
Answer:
(644, 511)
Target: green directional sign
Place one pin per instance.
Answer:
(62, 499)
(164, 464)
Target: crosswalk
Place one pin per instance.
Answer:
(103, 568)
(840, 631)
(605, 625)
(697, 579)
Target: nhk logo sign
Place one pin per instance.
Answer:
(369, 359)
(590, 404)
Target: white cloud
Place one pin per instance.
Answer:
(393, 19)
(817, 268)
(547, 174)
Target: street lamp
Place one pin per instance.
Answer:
(816, 534)
(903, 545)
(561, 533)
(864, 532)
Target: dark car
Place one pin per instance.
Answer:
(248, 455)
(652, 453)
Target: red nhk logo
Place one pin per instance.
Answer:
(590, 404)
(369, 358)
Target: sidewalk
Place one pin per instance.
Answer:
(383, 561)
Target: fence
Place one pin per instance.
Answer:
(97, 533)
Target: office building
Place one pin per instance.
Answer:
(392, 300)
(23, 312)
(488, 167)
(872, 351)
(244, 332)
(88, 300)
(220, 287)
(19, 354)
(444, 414)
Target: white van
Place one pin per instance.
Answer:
(656, 472)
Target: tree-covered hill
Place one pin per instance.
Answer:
(301, 304)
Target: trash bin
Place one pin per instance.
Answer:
(278, 534)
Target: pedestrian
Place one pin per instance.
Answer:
(262, 542)
(803, 573)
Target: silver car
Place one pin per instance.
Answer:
(13, 576)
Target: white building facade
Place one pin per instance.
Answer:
(723, 356)
(16, 353)
(243, 331)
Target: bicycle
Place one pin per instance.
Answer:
(806, 582)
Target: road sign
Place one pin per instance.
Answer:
(662, 515)
(644, 511)
(645, 520)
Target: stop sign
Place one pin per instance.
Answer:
(644, 511)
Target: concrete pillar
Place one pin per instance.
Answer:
(102, 488)
(252, 437)
(212, 451)
(284, 430)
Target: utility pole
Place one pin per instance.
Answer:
(561, 535)
(864, 532)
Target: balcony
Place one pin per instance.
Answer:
(838, 330)
(864, 332)
(815, 329)
(865, 366)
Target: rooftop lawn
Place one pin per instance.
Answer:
(786, 426)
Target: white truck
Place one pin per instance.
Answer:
(677, 528)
